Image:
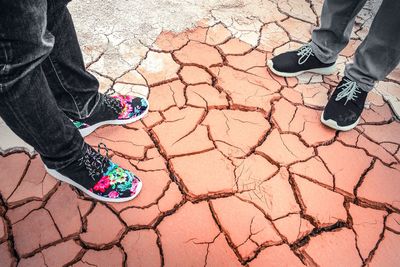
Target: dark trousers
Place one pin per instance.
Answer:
(43, 81)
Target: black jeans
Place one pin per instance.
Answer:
(43, 81)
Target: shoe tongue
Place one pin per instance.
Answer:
(357, 101)
(96, 163)
(113, 103)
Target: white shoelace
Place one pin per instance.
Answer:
(95, 163)
(349, 90)
(304, 53)
(111, 102)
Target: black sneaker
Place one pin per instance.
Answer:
(116, 110)
(294, 63)
(345, 106)
(100, 178)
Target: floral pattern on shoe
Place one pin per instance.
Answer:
(131, 106)
(123, 107)
(116, 182)
(80, 125)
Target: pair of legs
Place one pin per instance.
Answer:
(43, 82)
(374, 59)
(49, 100)
(376, 56)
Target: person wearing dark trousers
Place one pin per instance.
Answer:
(50, 101)
(374, 59)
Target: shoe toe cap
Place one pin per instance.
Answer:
(342, 116)
(133, 107)
(284, 62)
(139, 103)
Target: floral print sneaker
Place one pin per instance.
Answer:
(99, 177)
(116, 110)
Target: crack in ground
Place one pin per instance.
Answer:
(381, 237)
(207, 198)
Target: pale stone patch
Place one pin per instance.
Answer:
(391, 93)
(10, 142)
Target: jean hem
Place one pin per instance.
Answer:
(58, 165)
(367, 87)
(321, 56)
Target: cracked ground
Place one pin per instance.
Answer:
(236, 166)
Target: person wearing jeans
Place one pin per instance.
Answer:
(50, 101)
(374, 59)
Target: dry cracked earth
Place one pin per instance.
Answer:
(237, 169)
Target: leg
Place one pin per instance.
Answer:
(379, 53)
(31, 111)
(27, 105)
(75, 89)
(337, 21)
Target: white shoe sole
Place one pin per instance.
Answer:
(323, 71)
(88, 130)
(333, 124)
(67, 180)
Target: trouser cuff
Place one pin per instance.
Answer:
(321, 55)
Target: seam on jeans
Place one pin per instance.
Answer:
(5, 69)
(22, 124)
(6, 57)
(59, 79)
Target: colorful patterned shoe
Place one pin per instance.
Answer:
(99, 178)
(116, 110)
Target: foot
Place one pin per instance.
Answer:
(345, 106)
(117, 110)
(294, 63)
(99, 178)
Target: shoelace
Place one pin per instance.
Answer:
(111, 102)
(304, 53)
(349, 90)
(95, 163)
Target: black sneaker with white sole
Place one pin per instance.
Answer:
(115, 110)
(296, 62)
(99, 177)
(345, 106)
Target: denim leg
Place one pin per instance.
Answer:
(27, 104)
(379, 53)
(75, 89)
(337, 21)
